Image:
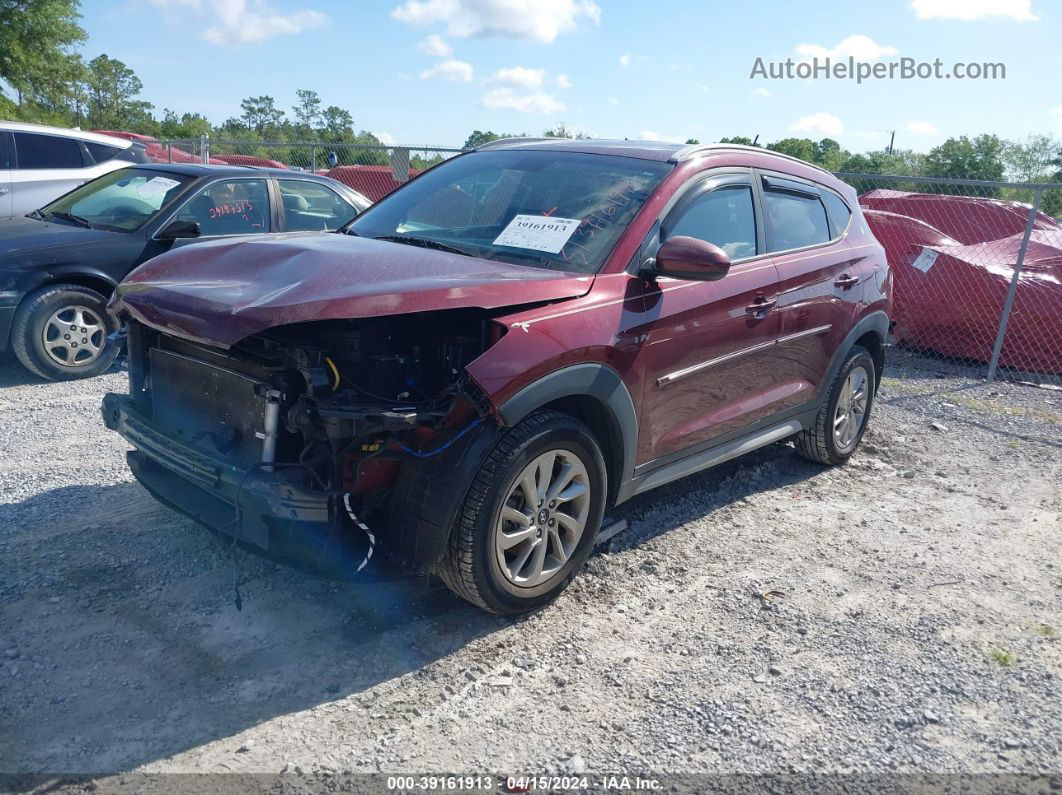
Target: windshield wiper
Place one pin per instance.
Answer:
(36, 215)
(424, 242)
(77, 219)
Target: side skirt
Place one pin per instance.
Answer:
(771, 430)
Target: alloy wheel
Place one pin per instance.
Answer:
(74, 336)
(851, 409)
(543, 518)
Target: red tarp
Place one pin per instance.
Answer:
(953, 258)
(375, 182)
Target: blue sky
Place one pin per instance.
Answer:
(430, 71)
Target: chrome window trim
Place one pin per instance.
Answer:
(670, 378)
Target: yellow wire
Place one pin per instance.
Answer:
(335, 373)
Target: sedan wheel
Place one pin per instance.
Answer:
(74, 335)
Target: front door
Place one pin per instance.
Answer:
(707, 352)
(226, 208)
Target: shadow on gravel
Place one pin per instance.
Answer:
(13, 374)
(121, 644)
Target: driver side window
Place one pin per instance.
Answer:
(723, 216)
(234, 207)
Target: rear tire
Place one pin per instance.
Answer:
(842, 418)
(60, 333)
(509, 554)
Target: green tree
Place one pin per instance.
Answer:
(740, 140)
(307, 111)
(563, 131)
(337, 125)
(187, 125)
(692, 141)
(262, 115)
(1031, 160)
(479, 137)
(803, 148)
(965, 158)
(36, 47)
(112, 93)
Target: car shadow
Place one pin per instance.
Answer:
(130, 649)
(13, 374)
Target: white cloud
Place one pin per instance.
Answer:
(821, 123)
(240, 21)
(519, 77)
(972, 10)
(509, 98)
(921, 128)
(541, 21)
(1057, 113)
(625, 59)
(762, 92)
(613, 101)
(387, 138)
(651, 135)
(859, 46)
(563, 81)
(436, 45)
(450, 69)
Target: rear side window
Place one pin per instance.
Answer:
(101, 153)
(46, 151)
(310, 207)
(794, 220)
(725, 217)
(838, 212)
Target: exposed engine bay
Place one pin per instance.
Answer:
(337, 405)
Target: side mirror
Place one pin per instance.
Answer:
(689, 258)
(179, 229)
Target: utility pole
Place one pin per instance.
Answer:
(892, 140)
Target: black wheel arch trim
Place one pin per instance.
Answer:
(877, 322)
(590, 379)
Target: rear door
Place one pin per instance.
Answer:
(818, 279)
(707, 353)
(46, 167)
(6, 158)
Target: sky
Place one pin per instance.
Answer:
(428, 72)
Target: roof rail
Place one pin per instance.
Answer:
(695, 149)
(518, 139)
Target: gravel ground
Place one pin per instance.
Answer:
(915, 623)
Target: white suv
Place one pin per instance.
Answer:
(39, 164)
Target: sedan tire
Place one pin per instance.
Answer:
(60, 333)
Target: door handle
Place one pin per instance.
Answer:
(761, 307)
(846, 281)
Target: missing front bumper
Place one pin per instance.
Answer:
(269, 513)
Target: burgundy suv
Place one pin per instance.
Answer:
(469, 375)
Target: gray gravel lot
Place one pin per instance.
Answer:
(917, 626)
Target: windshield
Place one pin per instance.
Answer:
(560, 210)
(121, 200)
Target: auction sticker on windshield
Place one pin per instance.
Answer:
(155, 187)
(537, 232)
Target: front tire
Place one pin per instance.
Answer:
(842, 419)
(530, 518)
(60, 333)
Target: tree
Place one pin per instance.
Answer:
(803, 148)
(307, 111)
(562, 131)
(262, 115)
(112, 89)
(740, 140)
(1032, 160)
(692, 141)
(337, 125)
(963, 158)
(187, 125)
(36, 41)
(478, 138)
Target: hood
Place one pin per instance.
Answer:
(221, 292)
(20, 235)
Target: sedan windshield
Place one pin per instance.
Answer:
(560, 210)
(121, 200)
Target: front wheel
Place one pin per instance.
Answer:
(842, 418)
(530, 518)
(60, 333)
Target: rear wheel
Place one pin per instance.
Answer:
(530, 517)
(60, 333)
(842, 418)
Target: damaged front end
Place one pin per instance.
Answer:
(332, 446)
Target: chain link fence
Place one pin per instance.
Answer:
(977, 268)
(371, 169)
(977, 265)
